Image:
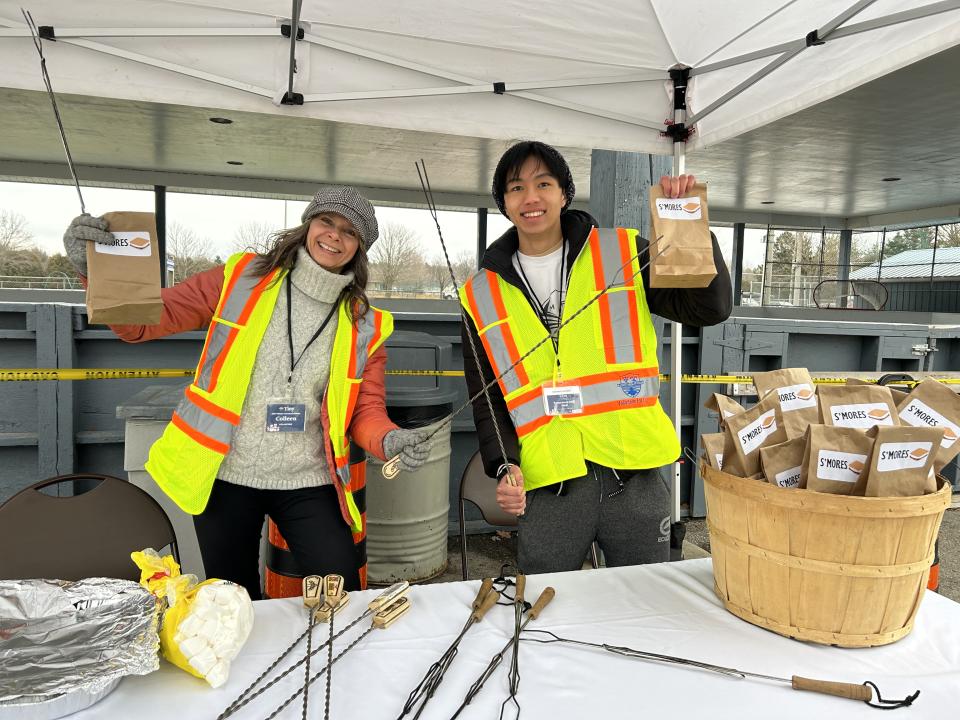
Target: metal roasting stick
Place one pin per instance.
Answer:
(545, 597)
(851, 691)
(311, 598)
(486, 598)
(382, 619)
(392, 467)
(385, 598)
(38, 43)
(334, 598)
(518, 606)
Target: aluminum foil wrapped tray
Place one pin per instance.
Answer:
(65, 645)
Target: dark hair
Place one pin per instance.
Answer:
(515, 156)
(283, 254)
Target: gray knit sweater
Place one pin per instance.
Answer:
(286, 460)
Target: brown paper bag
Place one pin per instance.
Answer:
(798, 397)
(783, 464)
(747, 432)
(857, 406)
(123, 280)
(681, 248)
(836, 460)
(712, 444)
(901, 464)
(724, 407)
(933, 404)
(898, 395)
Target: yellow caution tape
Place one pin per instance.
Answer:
(34, 374)
(28, 374)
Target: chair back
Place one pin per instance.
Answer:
(80, 536)
(481, 489)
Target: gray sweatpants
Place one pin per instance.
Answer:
(630, 521)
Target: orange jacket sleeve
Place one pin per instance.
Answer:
(370, 423)
(188, 305)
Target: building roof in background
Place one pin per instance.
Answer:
(914, 264)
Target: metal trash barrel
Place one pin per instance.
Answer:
(407, 516)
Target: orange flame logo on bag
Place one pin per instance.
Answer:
(918, 454)
(855, 467)
(768, 422)
(804, 394)
(949, 434)
(879, 414)
(139, 243)
(692, 206)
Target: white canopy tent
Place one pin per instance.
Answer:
(581, 75)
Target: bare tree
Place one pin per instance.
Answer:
(396, 256)
(190, 252)
(15, 242)
(464, 265)
(439, 274)
(254, 237)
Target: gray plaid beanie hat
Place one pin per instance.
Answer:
(346, 201)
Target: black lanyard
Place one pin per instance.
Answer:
(326, 320)
(538, 306)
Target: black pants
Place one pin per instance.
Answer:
(630, 520)
(228, 531)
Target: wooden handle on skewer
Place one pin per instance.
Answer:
(827, 687)
(488, 602)
(545, 597)
(387, 616)
(521, 587)
(485, 587)
(391, 468)
(312, 589)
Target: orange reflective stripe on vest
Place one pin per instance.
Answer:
(611, 251)
(237, 302)
(487, 306)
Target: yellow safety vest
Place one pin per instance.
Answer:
(185, 460)
(609, 350)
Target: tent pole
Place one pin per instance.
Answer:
(680, 132)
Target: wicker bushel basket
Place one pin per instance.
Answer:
(832, 569)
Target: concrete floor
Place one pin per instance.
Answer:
(487, 552)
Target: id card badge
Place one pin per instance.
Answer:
(286, 416)
(560, 399)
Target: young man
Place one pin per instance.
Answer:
(582, 430)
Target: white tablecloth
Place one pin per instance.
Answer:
(668, 608)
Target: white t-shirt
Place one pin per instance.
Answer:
(541, 274)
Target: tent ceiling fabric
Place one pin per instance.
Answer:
(138, 96)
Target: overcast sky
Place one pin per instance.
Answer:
(48, 210)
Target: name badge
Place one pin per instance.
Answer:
(286, 417)
(562, 399)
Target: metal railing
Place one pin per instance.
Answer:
(47, 282)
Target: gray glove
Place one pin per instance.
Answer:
(83, 229)
(412, 446)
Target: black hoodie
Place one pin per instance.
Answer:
(698, 307)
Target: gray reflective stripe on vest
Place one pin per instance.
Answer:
(344, 474)
(625, 348)
(619, 301)
(215, 345)
(242, 290)
(495, 336)
(622, 391)
(366, 328)
(202, 421)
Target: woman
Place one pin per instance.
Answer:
(292, 369)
